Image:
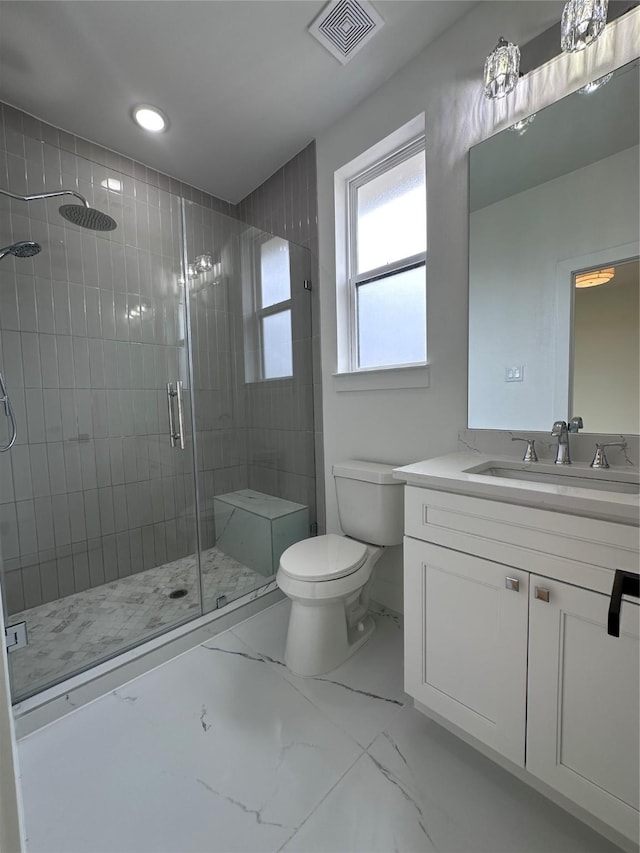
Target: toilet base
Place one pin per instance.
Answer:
(319, 639)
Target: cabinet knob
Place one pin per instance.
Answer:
(542, 594)
(512, 583)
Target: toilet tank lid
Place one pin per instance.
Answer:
(370, 472)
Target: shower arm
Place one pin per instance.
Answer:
(39, 196)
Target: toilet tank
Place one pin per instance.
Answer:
(370, 501)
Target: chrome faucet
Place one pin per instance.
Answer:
(560, 430)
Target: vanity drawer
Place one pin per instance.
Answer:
(567, 547)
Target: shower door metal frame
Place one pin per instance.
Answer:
(192, 409)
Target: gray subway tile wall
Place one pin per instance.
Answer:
(286, 205)
(88, 338)
(90, 332)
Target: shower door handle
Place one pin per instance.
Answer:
(172, 426)
(179, 398)
(8, 410)
(175, 437)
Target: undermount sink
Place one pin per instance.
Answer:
(606, 480)
(607, 494)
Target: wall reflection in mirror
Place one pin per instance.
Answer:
(554, 200)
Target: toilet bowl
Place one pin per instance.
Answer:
(328, 578)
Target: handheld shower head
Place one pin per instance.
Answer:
(23, 249)
(78, 214)
(87, 217)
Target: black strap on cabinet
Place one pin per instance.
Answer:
(624, 583)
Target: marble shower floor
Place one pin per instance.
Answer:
(71, 633)
(221, 749)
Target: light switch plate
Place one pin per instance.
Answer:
(514, 374)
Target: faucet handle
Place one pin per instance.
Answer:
(530, 454)
(575, 424)
(600, 459)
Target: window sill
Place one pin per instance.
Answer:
(383, 379)
(285, 380)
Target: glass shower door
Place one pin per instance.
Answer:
(250, 320)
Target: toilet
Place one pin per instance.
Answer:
(328, 577)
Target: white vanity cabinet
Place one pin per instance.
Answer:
(538, 681)
(469, 663)
(583, 721)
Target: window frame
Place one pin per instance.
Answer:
(354, 279)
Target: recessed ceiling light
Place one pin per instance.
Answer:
(150, 118)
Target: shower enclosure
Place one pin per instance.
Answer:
(160, 376)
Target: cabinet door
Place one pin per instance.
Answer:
(466, 643)
(582, 732)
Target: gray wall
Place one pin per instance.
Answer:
(286, 205)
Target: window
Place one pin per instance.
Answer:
(386, 247)
(268, 341)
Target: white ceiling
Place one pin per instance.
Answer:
(244, 84)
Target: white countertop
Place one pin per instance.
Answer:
(451, 474)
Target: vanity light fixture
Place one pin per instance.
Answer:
(595, 84)
(501, 69)
(150, 118)
(595, 277)
(204, 263)
(582, 22)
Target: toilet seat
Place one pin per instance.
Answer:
(323, 558)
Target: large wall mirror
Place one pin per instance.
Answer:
(554, 229)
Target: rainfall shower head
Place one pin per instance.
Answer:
(87, 217)
(24, 249)
(78, 214)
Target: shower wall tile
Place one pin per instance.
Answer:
(13, 590)
(89, 337)
(86, 364)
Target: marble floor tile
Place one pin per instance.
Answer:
(72, 633)
(361, 696)
(213, 751)
(366, 812)
(467, 802)
(220, 750)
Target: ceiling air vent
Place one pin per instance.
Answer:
(345, 26)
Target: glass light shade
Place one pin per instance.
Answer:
(521, 126)
(595, 84)
(582, 23)
(501, 69)
(204, 263)
(595, 277)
